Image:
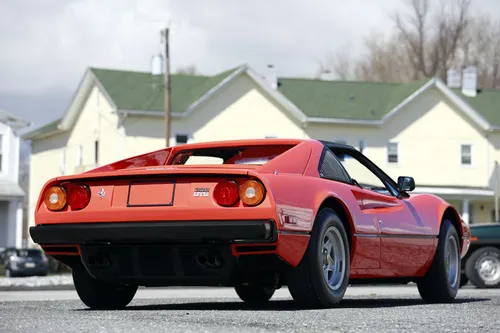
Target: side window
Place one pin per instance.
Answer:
(365, 177)
(331, 168)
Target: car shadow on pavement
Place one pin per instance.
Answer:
(285, 305)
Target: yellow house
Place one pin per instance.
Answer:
(446, 137)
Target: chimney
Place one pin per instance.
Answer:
(453, 78)
(271, 77)
(469, 81)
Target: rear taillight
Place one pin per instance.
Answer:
(78, 196)
(75, 196)
(55, 198)
(252, 192)
(226, 193)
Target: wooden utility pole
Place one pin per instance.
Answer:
(167, 88)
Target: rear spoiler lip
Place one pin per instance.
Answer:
(127, 173)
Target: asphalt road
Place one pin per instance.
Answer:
(364, 309)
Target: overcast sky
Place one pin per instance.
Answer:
(46, 45)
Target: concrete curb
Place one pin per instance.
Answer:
(35, 288)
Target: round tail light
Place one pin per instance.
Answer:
(55, 198)
(78, 196)
(226, 193)
(252, 192)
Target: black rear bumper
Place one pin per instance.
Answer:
(244, 231)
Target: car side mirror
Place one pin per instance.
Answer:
(406, 183)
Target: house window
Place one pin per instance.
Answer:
(465, 154)
(181, 138)
(1, 151)
(392, 152)
(80, 155)
(96, 152)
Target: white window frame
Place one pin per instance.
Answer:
(397, 153)
(177, 134)
(471, 154)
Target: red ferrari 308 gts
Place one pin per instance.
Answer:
(251, 214)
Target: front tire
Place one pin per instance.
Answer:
(101, 295)
(442, 280)
(483, 267)
(255, 295)
(321, 278)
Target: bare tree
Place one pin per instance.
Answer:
(427, 40)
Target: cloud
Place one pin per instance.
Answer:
(47, 45)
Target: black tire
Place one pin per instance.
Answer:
(463, 280)
(101, 295)
(306, 282)
(472, 267)
(255, 295)
(435, 286)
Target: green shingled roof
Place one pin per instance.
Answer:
(346, 99)
(486, 102)
(141, 91)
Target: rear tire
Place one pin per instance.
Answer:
(321, 278)
(442, 280)
(483, 267)
(101, 295)
(255, 295)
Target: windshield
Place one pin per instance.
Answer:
(27, 253)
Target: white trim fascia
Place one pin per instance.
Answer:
(282, 100)
(466, 108)
(147, 113)
(75, 106)
(193, 105)
(453, 191)
(344, 121)
(408, 100)
(214, 90)
(85, 86)
(103, 90)
(278, 96)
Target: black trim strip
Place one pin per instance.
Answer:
(241, 231)
(396, 236)
(293, 232)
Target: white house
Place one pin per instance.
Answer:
(447, 136)
(11, 194)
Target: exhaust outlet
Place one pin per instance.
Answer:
(214, 260)
(202, 259)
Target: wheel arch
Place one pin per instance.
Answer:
(450, 213)
(340, 208)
